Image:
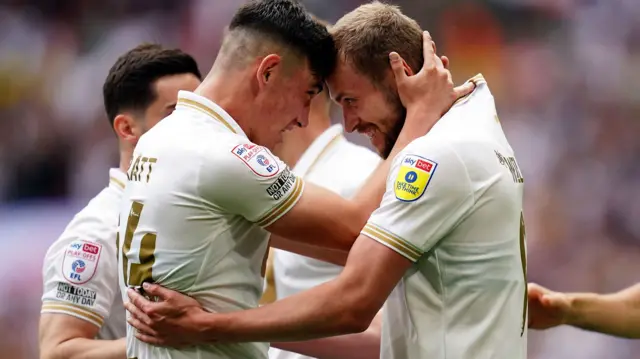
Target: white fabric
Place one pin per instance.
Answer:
(341, 166)
(198, 196)
(80, 267)
(464, 298)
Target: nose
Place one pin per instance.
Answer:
(350, 120)
(303, 120)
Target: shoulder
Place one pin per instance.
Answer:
(95, 225)
(237, 155)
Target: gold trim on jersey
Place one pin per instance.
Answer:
(74, 310)
(117, 182)
(401, 246)
(476, 80)
(281, 209)
(206, 110)
(270, 294)
(329, 144)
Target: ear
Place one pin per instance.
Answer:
(127, 128)
(268, 69)
(407, 68)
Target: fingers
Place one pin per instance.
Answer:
(137, 300)
(428, 48)
(431, 60)
(464, 89)
(149, 339)
(138, 314)
(157, 291)
(141, 327)
(397, 66)
(445, 61)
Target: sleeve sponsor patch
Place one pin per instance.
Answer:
(76, 295)
(81, 261)
(282, 185)
(258, 159)
(413, 177)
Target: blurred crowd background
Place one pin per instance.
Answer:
(565, 73)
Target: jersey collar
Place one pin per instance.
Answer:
(317, 149)
(117, 179)
(194, 102)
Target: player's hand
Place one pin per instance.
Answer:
(547, 309)
(431, 90)
(170, 321)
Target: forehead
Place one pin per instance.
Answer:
(303, 74)
(346, 80)
(167, 87)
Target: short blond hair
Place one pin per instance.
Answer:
(365, 36)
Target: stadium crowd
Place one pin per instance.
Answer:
(568, 95)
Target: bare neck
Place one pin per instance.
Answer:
(126, 152)
(232, 92)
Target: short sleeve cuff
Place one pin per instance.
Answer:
(72, 310)
(283, 207)
(392, 241)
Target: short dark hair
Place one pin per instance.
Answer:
(288, 22)
(129, 84)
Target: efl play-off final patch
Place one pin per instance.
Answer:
(413, 177)
(81, 261)
(258, 159)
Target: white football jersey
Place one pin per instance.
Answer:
(198, 195)
(342, 167)
(80, 268)
(453, 207)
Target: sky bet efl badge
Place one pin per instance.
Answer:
(81, 261)
(413, 177)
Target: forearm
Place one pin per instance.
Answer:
(363, 345)
(335, 256)
(615, 314)
(326, 310)
(83, 348)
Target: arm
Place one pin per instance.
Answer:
(75, 302)
(334, 256)
(363, 345)
(371, 273)
(615, 314)
(66, 337)
(410, 221)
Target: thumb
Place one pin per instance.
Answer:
(464, 89)
(157, 291)
(397, 66)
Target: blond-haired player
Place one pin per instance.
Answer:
(445, 249)
(81, 300)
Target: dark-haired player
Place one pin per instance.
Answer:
(81, 301)
(203, 192)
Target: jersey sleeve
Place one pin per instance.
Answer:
(80, 277)
(251, 182)
(428, 193)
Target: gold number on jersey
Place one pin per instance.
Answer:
(523, 259)
(139, 272)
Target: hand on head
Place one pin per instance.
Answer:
(430, 90)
